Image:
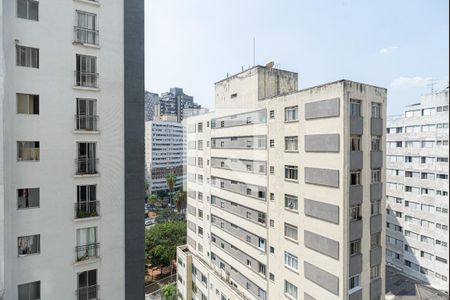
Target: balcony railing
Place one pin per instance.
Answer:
(86, 122)
(88, 251)
(86, 79)
(88, 292)
(87, 209)
(85, 35)
(86, 166)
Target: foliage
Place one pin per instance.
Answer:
(161, 194)
(169, 292)
(180, 200)
(168, 215)
(154, 200)
(161, 242)
(171, 180)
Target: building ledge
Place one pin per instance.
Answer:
(86, 175)
(83, 88)
(86, 261)
(95, 3)
(93, 46)
(86, 219)
(86, 131)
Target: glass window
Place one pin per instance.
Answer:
(291, 260)
(291, 143)
(354, 283)
(376, 143)
(355, 212)
(30, 291)
(290, 231)
(355, 178)
(376, 175)
(27, 57)
(86, 28)
(355, 108)
(27, 104)
(30, 244)
(355, 143)
(376, 110)
(355, 247)
(375, 272)
(290, 289)
(291, 172)
(27, 198)
(291, 202)
(28, 151)
(291, 114)
(28, 9)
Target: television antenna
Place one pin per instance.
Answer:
(431, 83)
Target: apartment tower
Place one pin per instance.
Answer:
(285, 189)
(72, 141)
(417, 190)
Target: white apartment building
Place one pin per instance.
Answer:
(417, 190)
(286, 193)
(164, 146)
(70, 116)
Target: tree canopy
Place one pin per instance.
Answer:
(169, 292)
(168, 215)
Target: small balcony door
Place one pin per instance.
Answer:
(86, 158)
(86, 114)
(86, 243)
(86, 205)
(87, 285)
(86, 71)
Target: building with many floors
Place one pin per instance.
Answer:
(150, 102)
(417, 190)
(285, 191)
(174, 103)
(164, 152)
(71, 141)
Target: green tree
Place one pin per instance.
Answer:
(168, 215)
(171, 179)
(169, 292)
(154, 200)
(161, 243)
(180, 200)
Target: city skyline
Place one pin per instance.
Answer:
(402, 54)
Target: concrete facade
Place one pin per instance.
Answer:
(272, 215)
(64, 200)
(175, 102)
(417, 190)
(150, 102)
(164, 153)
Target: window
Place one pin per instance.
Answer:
(86, 161)
(291, 143)
(262, 244)
(27, 57)
(261, 217)
(86, 243)
(272, 197)
(272, 170)
(376, 143)
(291, 172)
(87, 285)
(376, 175)
(355, 143)
(27, 198)
(354, 283)
(271, 277)
(28, 9)
(375, 272)
(355, 247)
(86, 29)
(86, 71)
(291, 114)
(262, 269)
(291, 202)
(27, 104)
(290, 289)
(355, 108)
(272, 223)
(272, 114)
(30, 291)
(355, 178)
(355, 212)
(27, 245)
(86, 118)
(376, 110)
(28, 151)
(290, 260)
(290, 231)
(200, 127)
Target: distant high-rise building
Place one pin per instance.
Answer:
(285, 191)
(174, 102)
(150, 102)
(164, 145)
(417, 190)
(71, 149)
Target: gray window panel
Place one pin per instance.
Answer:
(326, 177)
(322, 278)
(355, 230)
(308, 297)
(376, 191)
(375, 288)
(375, 255)
(355, 265)
(355, 194)
(376, 126)
(322, 143)
(356, 125)
(356, 160)
(356, 295)
(376, 159)
(375, 224)
(321, 244)
(321, 210)
(322, 109)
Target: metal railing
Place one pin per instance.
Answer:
(86, 166)
(86, 122)
(86, 79)
(86, 35)
(87, 209)
(87, 251)
(88, 292)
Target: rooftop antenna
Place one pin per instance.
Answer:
(431, 83)
(254, 43)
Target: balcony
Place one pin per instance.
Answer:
(87, 209)
(355, 194)
(84, 35)
(86, 79)
(376, 126)
(86, 252)
(88, 292)
(376, 159)
(355, 229)
(356, 125)
(86, 122)
(356, 160)
(86, 166)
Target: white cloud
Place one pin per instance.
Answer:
(416, 81)
(387, 49)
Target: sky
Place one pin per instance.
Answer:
(399, 45)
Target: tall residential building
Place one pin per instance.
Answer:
(150, 102)
(71, 149)
(174, 102)
(417, 190)
(285, 191)
(164, 146)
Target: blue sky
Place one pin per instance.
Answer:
(396, 44)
